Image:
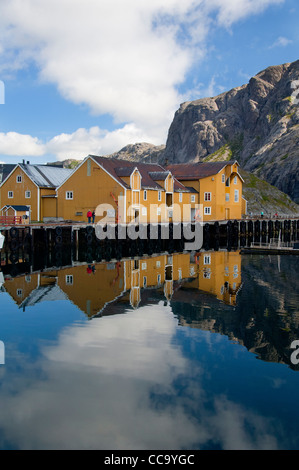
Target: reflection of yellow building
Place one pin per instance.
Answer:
(93, 287)
(219, 273)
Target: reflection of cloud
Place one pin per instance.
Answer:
(112, 383)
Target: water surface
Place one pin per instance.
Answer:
(169, 352)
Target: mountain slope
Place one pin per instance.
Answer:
(258, 124)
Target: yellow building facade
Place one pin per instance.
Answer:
(124, 192)
(33, 186)
(219, 186)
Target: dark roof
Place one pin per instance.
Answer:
(194, 171)
(18, 208)
(5, 170)
(150, 172)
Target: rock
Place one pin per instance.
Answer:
(257, 124)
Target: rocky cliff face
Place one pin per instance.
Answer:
(257, 124)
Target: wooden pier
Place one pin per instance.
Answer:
(58, 239)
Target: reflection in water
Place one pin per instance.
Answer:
(92, 287)
(168, 360)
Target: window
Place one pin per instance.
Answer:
(10, 194)
(207, 274)
(235, 180)
(193, 198)
(144, 281)
(181, 197)
(223, 177)
(69, 195)
(88, 167)
(19, 179)
(19, 292)
(27, 194)
(159, 279)
(227, 197)
(207, 211)
(143, 266)
(159, 196)
(158, 264)
(236, 195)
(158, 210)
(207, 259)
(208, 196)
(145, 195)
(69, 279)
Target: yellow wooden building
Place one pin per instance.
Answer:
(120, 191)
(219, 186)
(33, 186)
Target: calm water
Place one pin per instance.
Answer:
(170, 352)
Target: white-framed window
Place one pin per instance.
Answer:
(158, 264)
(235, 180)
(181, 197)
(236, 195)
(227, 197)
(180, 274)
(207, 259)
(10, 194)
(192, 197)
(158, 210)
(145, 195)
(19, 178)
(223, 177)
(69, 195)
(159, 196)
(69, 279)
(207, 274)
(19, 292)
(207, 211)
(28, 278)
(208, 196)
(27, 194)
(143, 266)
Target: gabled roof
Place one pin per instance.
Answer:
(46, 176)
(119, 169)
(5, 170)
(193, 171)
(16, 208)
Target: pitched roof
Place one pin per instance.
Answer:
(5, 170)
(46, 176)
(17, 208)
(150, 172)
(192, 171)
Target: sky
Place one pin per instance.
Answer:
(89, 77)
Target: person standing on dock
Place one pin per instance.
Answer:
(89, 216)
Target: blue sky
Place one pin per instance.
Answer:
(93, 76)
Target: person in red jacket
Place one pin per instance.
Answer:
(89, 215)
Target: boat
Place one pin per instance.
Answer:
(2, 239)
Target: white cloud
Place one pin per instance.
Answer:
(75, 145)
(125, 59)
(12, 143)
(281, 42)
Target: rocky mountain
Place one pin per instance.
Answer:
(257, 124)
